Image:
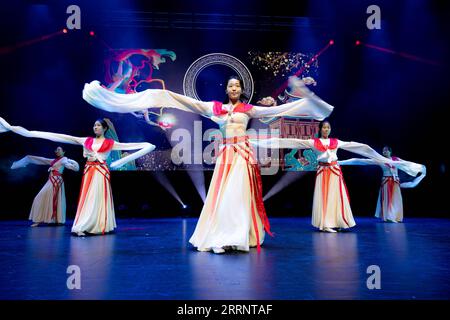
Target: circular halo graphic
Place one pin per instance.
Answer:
(190, 78)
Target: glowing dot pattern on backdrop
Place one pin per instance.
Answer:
(283, 63)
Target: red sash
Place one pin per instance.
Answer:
(55, 161)
(390, 181)
(57, 180)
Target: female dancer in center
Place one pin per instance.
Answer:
(95, 211)
(233, 216)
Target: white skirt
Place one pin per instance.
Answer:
(233, 214)
(95, 212)
(390, 203)
(49, 205)
(331, 205)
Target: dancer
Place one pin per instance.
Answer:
(49, 206)
(331, 205)
(233, 216)
(95, 212)
(390, 202)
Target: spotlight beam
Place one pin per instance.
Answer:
(164, 181)
(197, 176)
(9, 49)
(288, 178)
(198, 179)
(401, 54)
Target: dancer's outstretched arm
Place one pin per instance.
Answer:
(102, 98)
(359, 162)
(22, 163)
(311, 107)
(411, 168)
(143, 147)
(422, 170)
(284, 143)
(55, 137)
(66, 162)
(70, 164)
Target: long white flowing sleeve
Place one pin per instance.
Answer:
(22, 163)
(71, 164)
(309, 107)
(358, 162)
(400, 163)
(283, 143)
(417, 179)
(111, 101)
(411, 168)
(144, 148)
(55, 137)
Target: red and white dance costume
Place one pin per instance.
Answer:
(233, 214)
(49, 205)
(390, 203)
(95, 212)
(331, 205)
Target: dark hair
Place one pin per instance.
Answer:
(61, 148)
(389, 148)
(103, 123)
(244, 97)
(319, 134)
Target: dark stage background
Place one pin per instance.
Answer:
(399, 99)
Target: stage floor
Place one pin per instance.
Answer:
(152, 259)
